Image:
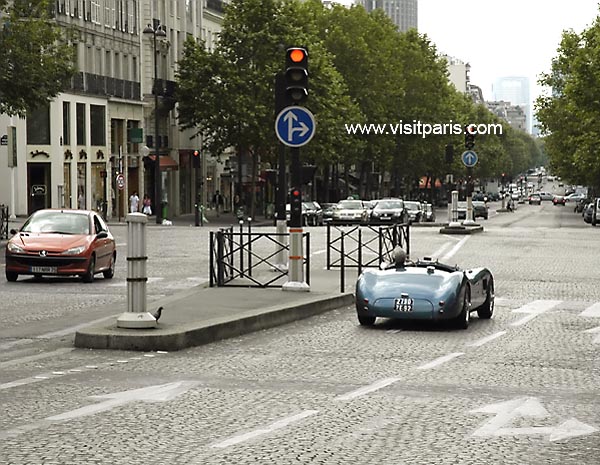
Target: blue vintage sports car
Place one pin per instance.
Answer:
(424, 290)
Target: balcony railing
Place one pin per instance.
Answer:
(96, 84)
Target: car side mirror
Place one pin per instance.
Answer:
(102, 235)
(13, 231)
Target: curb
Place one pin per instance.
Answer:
(199, 333)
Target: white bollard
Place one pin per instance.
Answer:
(469, 217)
(136, 315)
(296, 263)
(454, 223)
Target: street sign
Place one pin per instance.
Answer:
(469, 158)
(120, 182)
(295, 126)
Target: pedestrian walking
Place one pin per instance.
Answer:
(134, 203)
(218, 202)
(147, 205)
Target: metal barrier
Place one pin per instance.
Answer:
(368, 245)
(3, 221)
(248, 259)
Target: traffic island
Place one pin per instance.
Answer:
(461, 229)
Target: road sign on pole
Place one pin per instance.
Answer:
(469, 158)
(120, 181)
(295, 126)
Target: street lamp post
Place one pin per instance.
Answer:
(157, 31)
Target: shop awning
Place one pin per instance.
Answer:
(167, 163)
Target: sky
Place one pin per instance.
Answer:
(502, 37)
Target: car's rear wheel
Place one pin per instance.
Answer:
(366, 320)
(464, 318)
(108, 274)
(11, 276)
(88, 277)
(487, 309)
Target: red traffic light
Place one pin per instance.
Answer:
(296, 55)
(196, 153)
(295, 192)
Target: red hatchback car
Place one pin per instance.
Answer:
(558, 200)
(61, 242)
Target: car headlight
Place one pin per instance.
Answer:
(14, 248)
(74, 250)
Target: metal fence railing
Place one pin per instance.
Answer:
(248, 259)
(3, 221)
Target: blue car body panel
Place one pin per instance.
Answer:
(436, 291)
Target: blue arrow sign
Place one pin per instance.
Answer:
(469, 158)
(295, 126)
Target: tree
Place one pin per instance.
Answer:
(36, 55)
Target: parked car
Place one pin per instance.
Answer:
(348, 212)
(312, 213)
(558, 200)
(61, 242)
(424, 290)
(429, 213)
(480, 210)
(415, 213)
(575, 197)
(535, 199)
(328, 211)
(389, 211)
(546, 196)
(580, 205)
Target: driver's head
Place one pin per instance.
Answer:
(399, 256)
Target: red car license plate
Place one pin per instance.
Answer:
(403, 305)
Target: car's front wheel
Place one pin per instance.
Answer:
(366, 320)
(486, 311)
(88, 276)
(11, 276)
(108, 274)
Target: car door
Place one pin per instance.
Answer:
(101, 245)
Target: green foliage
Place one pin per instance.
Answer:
(37, 59)
(569, 115)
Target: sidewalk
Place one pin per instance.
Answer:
(204, 314)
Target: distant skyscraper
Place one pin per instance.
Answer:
(403, 13)
(515, 89)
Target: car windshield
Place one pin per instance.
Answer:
(350, 205)
(389, 205)
(57, 222)
(412, 206)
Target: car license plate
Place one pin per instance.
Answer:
(403, 305)
(43, 269)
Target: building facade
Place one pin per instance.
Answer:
(515, 89)
(513, 114)
(88, 148)
(403, 13)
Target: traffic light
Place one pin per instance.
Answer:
(296, 75)
(296, 207)
(449, 153)
(503, 178)
(469, 137)
(196, 159)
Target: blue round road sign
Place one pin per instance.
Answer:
(295, 126)
(469, 158)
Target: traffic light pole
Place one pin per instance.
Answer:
(469, 218)
(296, 255)
(281, 261)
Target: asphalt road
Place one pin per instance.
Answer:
(522, 388)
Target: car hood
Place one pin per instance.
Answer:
(50, 242)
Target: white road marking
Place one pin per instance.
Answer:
(506, 412)
(456, 248)
(31, 358)
(440, 360)
(318, 252)
(592, 311)
(485, 340)
(533, 309)
(367, 389)
(266, 430)
(18, 342)
(594, 331)
(441, 250)
(74, 329)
